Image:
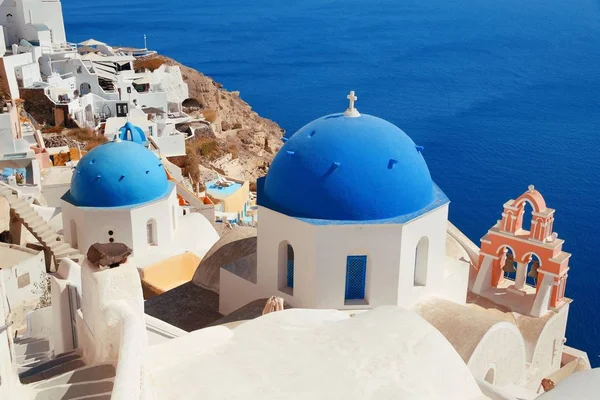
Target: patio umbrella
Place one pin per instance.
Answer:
(91, 42)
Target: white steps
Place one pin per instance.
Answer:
(39, 228)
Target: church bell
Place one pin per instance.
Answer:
(509, 264)
(533, 273)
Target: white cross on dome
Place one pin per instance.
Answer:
(351, 111)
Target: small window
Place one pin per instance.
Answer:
(151, 233)
(356, 277)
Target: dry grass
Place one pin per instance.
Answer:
(237, 125)
(149, 63)
(190, 163)
(210, 115)
(87, 136)
(208, 148)
(52, 129)
(196, 150)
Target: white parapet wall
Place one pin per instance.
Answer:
(100, 289)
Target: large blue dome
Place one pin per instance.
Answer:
(348, 169)
(117, 174)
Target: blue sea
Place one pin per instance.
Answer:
(501, 93)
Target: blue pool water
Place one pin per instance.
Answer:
(223, 191)
(502, 93)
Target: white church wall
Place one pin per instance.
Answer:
(275, 228)
(161, 213)
(94, 225)
(334, 243)
(432, 226)
(320, 261)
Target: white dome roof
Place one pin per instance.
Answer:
(387, 353)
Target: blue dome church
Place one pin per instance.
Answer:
(348, 205)
(120, 193)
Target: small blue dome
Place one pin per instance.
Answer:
(348, 169)
(133, 133)
(117, 174)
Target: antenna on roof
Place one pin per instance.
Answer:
(145, 42)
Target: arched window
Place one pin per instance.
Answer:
(527, 216)
(421, 261)
(151, 232)
(286, 267)
(74, 241)
(290, 266)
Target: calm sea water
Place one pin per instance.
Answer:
(502, 93)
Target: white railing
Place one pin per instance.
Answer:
(60, 48)
(129, 382)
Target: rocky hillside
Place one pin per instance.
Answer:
(234, 140)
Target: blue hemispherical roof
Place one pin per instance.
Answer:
(132, 133)
(117, 174)
(348, 169)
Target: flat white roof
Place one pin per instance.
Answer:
(12, 255)
(57, 176)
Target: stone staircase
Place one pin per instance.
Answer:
(62, 377)
(39, 228)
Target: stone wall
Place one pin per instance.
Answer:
(38, 105)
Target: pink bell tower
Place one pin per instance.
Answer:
(508, 241)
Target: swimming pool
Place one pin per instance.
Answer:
(221, 192)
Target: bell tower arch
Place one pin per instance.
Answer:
(541, 265)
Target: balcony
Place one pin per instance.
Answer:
(60, 48)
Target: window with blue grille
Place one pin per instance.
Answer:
(290, 266)
(356, 277)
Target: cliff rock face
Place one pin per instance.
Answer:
(235, 140)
